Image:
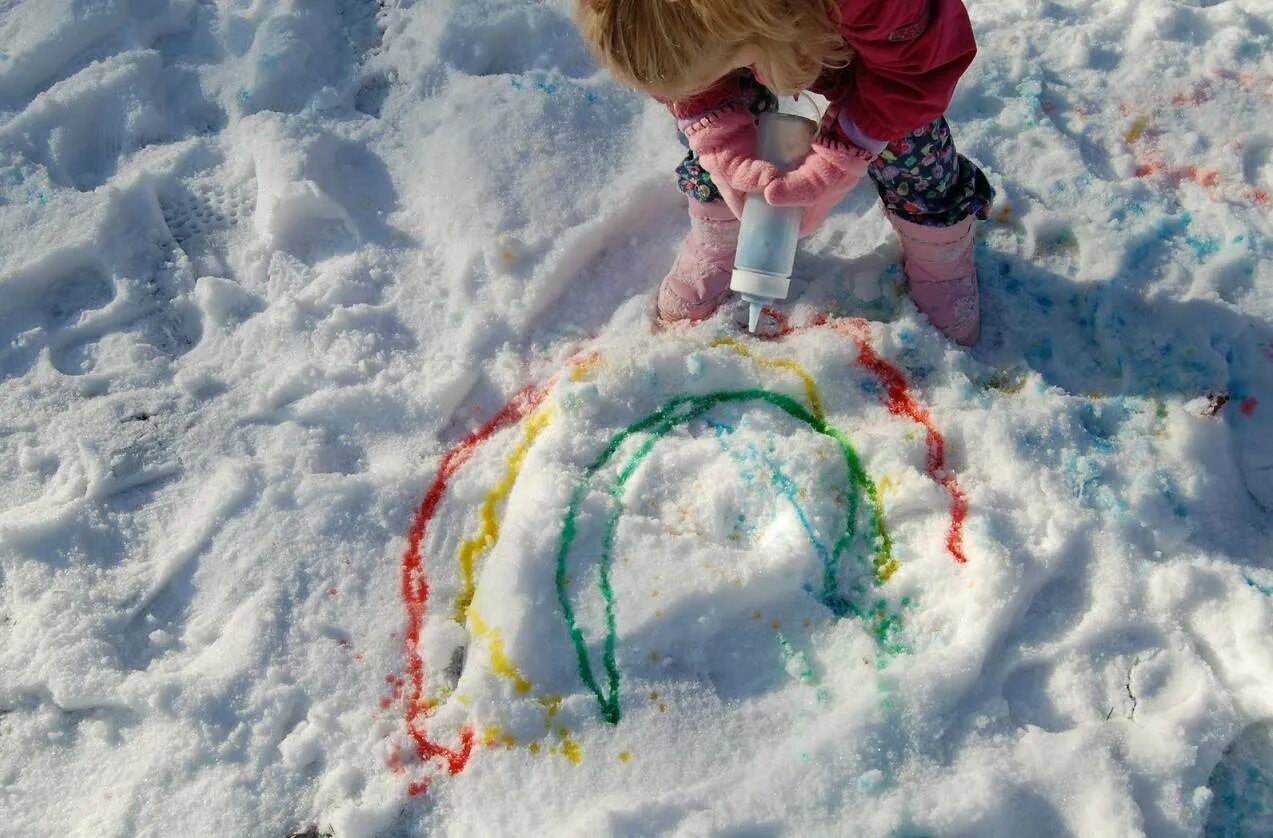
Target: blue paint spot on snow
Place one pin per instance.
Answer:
(1249, 49)
(1242, 787)
(1098, 426)
(1203, 248)
(1081, 473)
(1164, 231)
(719, 427)
(1267, 590)
(1169, 491)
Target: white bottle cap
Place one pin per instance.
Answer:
(759, 284)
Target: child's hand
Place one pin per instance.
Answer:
(725, 142)
(834, 166)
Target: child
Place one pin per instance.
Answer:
(888, 67)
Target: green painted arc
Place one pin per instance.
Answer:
(672, 414)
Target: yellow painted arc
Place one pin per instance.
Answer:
(472, 549)
(810, 388)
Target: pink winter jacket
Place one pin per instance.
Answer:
(909, 54)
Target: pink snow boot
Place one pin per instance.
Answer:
(699, 280)
(940, 265)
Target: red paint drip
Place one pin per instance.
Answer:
(1248, 406)
(415, 584)
(1200, 95)
(1209, 179)
(901, 402)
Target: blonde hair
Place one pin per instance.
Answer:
(656, 45)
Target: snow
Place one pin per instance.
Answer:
(307, 304)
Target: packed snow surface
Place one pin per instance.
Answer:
(348, 486)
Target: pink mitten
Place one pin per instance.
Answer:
(831, 170)
(725, 142)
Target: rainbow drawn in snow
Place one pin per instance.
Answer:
(863, 545)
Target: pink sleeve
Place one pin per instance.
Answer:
(910, 54)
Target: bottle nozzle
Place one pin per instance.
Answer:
(753, 317)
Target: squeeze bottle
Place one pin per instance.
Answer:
(767, 238)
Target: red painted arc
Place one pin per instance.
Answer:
(415, 584)
(901, 403)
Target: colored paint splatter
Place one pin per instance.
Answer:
(1153, 165)
(674, 413)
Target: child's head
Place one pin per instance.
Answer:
(672, 48)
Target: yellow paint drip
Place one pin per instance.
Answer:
(495, 735)
(499, 659)
(551, 704)
(585, 367)
(472, 549)
(1137, 130)
(810, 388)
